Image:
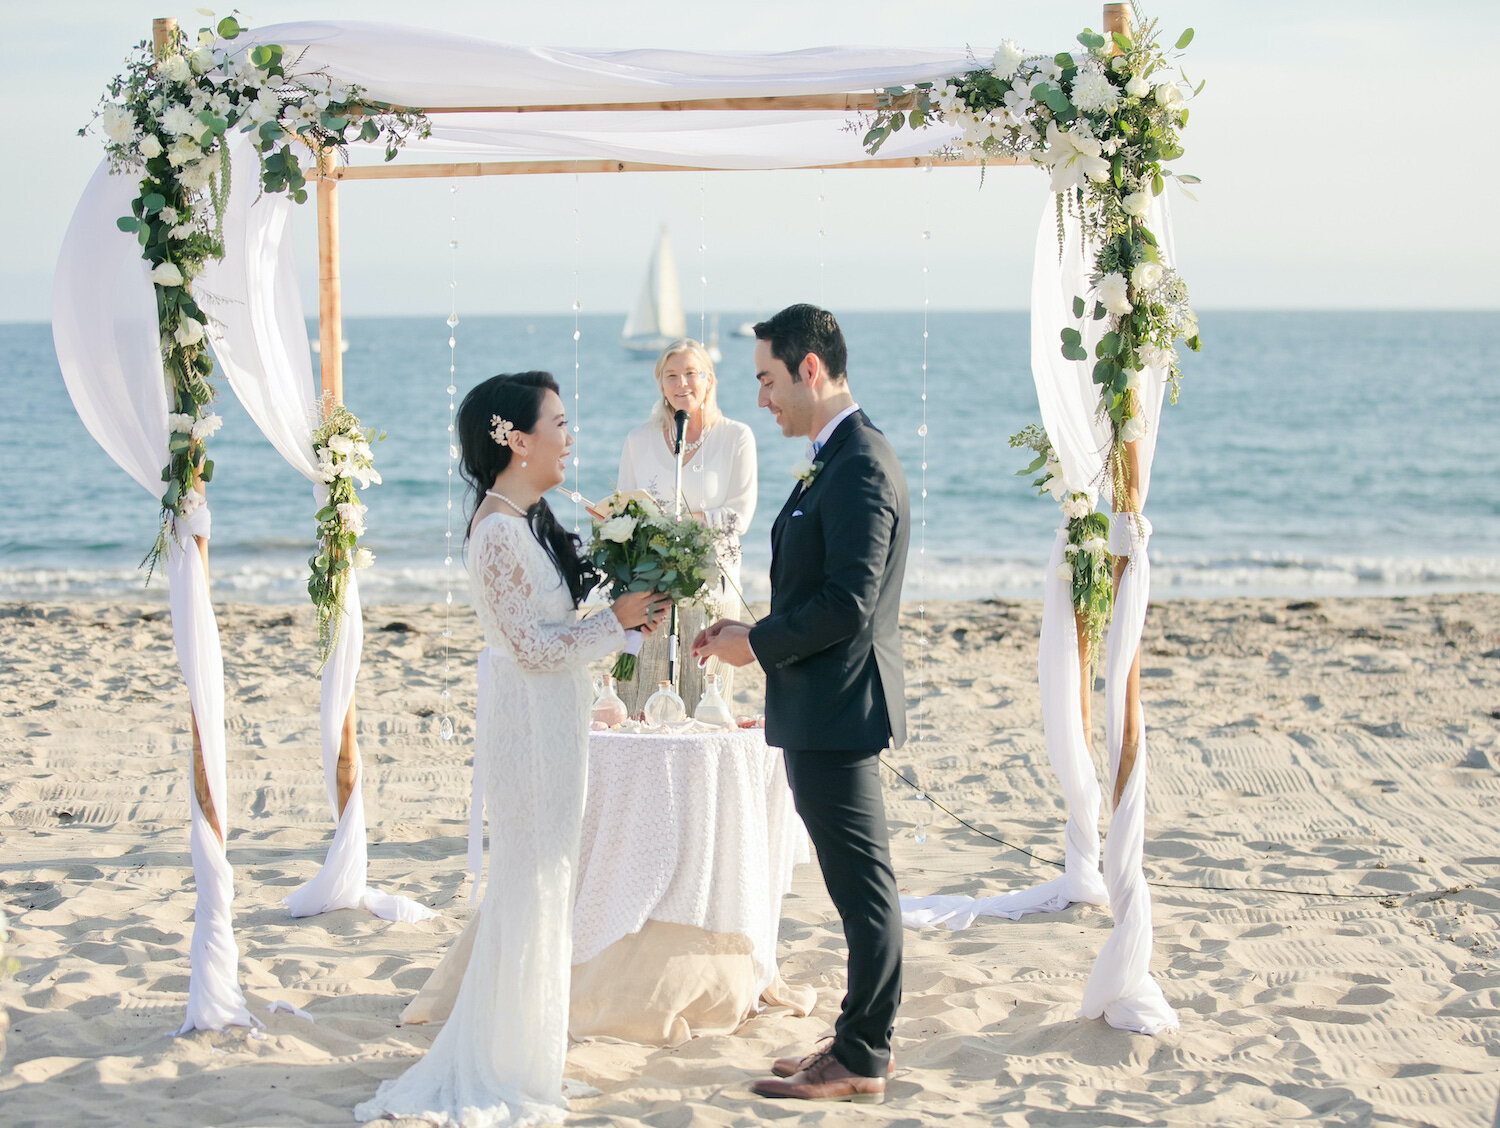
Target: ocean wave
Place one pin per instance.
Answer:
(934, 577)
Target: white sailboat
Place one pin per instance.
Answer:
(657, 319)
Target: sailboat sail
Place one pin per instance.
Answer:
(657, 318)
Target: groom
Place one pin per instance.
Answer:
(831, 650)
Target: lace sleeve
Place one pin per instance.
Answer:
(509, 582)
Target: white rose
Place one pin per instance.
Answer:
(1007, 58)
(802, 468)
(1133, 429)
(1136, 204)
(166, 274)
(1112, 291)
(1138, 87)
(1168, 95)
(175, 68)
(150, 146)
(617, 529)
(1065, 572)
(202, 59)
(189, 331)
(1145, 275)
(363, 558)
(1076, 507)
(343, 444)
(1133, 381)
(119, 124)
(184, 150)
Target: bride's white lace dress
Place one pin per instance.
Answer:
(498, 1060)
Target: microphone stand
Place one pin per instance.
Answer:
(679, 422)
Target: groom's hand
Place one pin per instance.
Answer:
(727, 640)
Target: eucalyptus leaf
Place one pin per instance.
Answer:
(128, 223)
(1079, 305)
(153, 203)
(1184, 39)
(229, 27)
(1122, 41)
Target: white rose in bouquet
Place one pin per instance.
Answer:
(184, 151)
(150, 146)
(1094, 546)
(617, 529)
(1138, 86)
(189, 331)
(1136, 204)
(1076, 507)
(1133, 429)
(1113, 292)
(341, 444)
(1168, 95)
(363, 558)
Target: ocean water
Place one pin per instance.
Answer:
(1309, 453)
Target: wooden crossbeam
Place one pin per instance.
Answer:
(532, 168)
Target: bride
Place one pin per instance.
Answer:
(499, 1058)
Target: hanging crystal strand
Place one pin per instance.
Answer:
(923, 723)
(445, 721)
(702, 257)
(822, 236)
(577, 334)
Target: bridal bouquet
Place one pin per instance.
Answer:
(638, 547)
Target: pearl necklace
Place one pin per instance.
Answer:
(502, 497)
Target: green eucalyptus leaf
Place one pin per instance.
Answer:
(1156, 184)
(229, 27)
(207, 473)
(1184, 39)
(898, 119)
(1063, 59)
(1079, 305)
(153, 202)
(261, 56)
(1091, 39)
(1121, 40)
(1099, 311)
(128, 223)
(1108, 345)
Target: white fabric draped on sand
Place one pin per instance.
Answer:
(254, 309)
(1120, 986)
(104, 328)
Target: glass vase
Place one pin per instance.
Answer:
(712, 708)
(608, 709)
(664, 707)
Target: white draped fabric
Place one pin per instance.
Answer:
(1120, 986)
(254, 309)
(105, 331)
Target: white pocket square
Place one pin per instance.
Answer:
(796, 513)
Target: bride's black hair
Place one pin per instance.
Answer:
(518, 398)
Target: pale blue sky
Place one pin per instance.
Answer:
(1341, 144)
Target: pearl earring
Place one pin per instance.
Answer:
(523, 464)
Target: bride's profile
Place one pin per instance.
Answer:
(499, 1058)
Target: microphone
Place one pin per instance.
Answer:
(680, 421)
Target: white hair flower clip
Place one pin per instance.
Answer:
(501, 429)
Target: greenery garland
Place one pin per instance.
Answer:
(1087, 564)
(342, 448)
(167, 120)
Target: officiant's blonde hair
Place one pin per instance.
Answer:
(662, 412)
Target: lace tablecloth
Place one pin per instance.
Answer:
(696, 830)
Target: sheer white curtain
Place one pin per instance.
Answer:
(104, 327)
(255, 324)
(1120, 987)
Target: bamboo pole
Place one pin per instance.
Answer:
(163, 39)
(845, 103)
(533, 168)
(331, 383)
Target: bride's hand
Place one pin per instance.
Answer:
(641, 609)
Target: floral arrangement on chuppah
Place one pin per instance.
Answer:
(344, 458)
(639, 547)
(1104, 121)
(168, 120)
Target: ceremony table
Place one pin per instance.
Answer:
(688, 845)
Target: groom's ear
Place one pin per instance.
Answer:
(811, 368)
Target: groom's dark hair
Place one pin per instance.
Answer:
(802, 329)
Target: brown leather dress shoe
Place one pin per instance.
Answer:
(824, 1078)
(785, 1067)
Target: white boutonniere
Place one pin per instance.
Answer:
(805, 471)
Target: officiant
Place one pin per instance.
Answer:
(718, 487)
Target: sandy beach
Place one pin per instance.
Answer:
(1322, 832)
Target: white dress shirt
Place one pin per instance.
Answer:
(827, 432)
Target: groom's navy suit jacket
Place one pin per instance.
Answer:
(831, 643)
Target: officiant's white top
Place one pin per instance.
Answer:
(429, 69)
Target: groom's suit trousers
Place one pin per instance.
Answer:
(838, 796)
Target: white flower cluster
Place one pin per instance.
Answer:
(347, 455)
(198, 429)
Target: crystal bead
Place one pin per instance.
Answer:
(577, 305)
(452, 451)
(919, 835)
(445, 695)
(445, 728)
(452, 341)
(452, 320)
(448, 561)
(450, 389)
(576, 334)
(447, 632)
(453, 244)
(922, 430)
